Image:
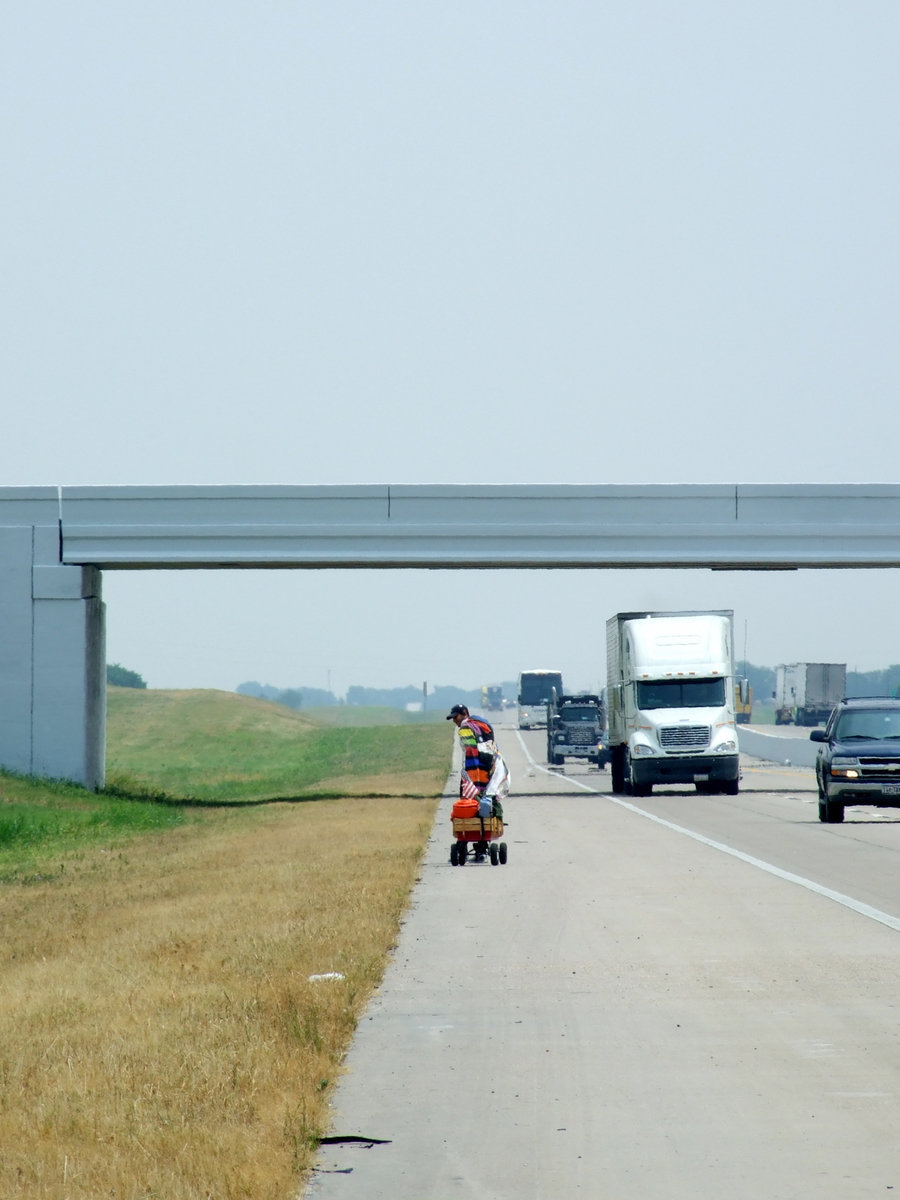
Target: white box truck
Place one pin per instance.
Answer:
(670, 701)
(805, 693)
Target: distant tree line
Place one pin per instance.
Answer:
(762, 680)
(398, 697)
(295, 697)
(120, 676)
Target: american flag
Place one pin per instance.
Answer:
(466, 787)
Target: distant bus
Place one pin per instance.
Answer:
(534, 694)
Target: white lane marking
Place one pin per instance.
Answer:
(865, 910)
(552, 774)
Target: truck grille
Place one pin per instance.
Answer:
(880, 770)
(684, 737)
(581, 737)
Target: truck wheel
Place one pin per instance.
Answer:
(834, 811)
(632, 788)
(731, 787)
(617, 766)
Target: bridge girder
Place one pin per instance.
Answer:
(56, 542)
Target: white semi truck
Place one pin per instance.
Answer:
(670, 701)
(805, 693)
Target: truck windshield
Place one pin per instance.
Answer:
(536, 688)
(868, 726)
(681, 693)
(578, 714)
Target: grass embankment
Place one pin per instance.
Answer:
(216, 746)
(160, 1035)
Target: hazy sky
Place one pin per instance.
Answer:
(314, 243)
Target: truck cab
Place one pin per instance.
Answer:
(670, 692)
(576, 729)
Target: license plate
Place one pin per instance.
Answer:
(700, 778)
(891, 789)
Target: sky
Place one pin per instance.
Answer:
(364, 242)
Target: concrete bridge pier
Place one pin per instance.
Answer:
(52, 649)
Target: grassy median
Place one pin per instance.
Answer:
(184, 960)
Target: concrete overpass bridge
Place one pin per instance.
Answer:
(56, 542)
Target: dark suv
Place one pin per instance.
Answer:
(859, 759)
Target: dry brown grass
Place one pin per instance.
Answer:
(159, 1033)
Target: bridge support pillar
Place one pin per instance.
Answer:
(52, 651)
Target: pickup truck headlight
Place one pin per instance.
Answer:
(847, 768)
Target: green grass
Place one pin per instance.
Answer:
(170, 754)
(158, 951)
(221, 747)
(43, 821)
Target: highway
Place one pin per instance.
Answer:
(672, 996)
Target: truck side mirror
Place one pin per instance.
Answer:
(818, 735)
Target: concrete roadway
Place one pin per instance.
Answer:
(678, 996)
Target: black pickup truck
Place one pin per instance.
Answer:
(858, 761)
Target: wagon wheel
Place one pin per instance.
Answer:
(461, 851)
(454, 854)
(502, 853)
(495, 854)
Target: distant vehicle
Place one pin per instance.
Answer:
(858, 761)
(534, 695)
(492, 697)
(743, 701)
(576, 729)
(670, 699)
(805, 693)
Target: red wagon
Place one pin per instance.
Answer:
(480, 835)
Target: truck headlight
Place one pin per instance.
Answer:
(847, 768)
(728, 747)
(641, 751)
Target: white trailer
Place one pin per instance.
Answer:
(805, 693)
(670, 701)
